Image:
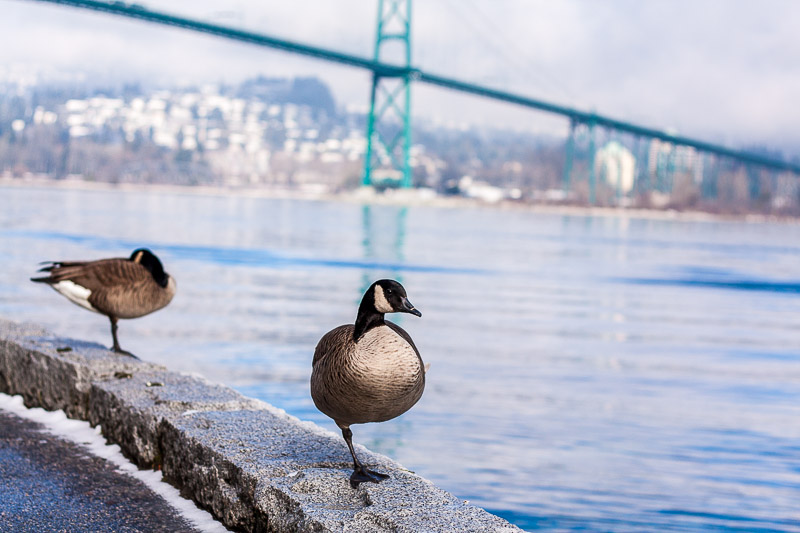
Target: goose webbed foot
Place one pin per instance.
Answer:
(117, 349)
(362, 474)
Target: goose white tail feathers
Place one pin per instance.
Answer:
(74, 293)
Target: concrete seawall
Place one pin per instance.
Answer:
(251, 465)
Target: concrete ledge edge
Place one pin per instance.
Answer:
(253, 466)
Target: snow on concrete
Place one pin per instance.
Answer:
(91, 439)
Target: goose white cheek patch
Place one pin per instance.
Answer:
(381, 304)
(75, 293)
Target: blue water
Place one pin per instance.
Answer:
(587, 373)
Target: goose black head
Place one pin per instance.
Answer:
(148, 259)
(383, 296)
(388, 296)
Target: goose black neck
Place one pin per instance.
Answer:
(153, 265)
(368, 317)
(157, 271)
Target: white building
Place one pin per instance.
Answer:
(616, 165)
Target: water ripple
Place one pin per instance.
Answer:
(239, 256)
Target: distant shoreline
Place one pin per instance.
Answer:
(410, 198)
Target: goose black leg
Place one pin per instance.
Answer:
(360, 472)
(116, 346)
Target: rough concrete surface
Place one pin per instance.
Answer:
(50, 484)
(251, 465)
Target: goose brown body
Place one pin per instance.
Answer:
(369, 371)
(117, 288)
(374, 379)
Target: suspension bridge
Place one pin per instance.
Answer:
(659, 153)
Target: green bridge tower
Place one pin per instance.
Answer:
(389, 120)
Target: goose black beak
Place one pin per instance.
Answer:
(408, 307)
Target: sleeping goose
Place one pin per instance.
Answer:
(117, 288)
(369, 371)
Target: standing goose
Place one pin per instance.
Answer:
(370, 371)
(117, 288)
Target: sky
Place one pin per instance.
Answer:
(725, 71)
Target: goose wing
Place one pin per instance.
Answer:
(336, 340)
(96, 275)
(112, 283)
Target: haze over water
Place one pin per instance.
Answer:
(587, 373)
